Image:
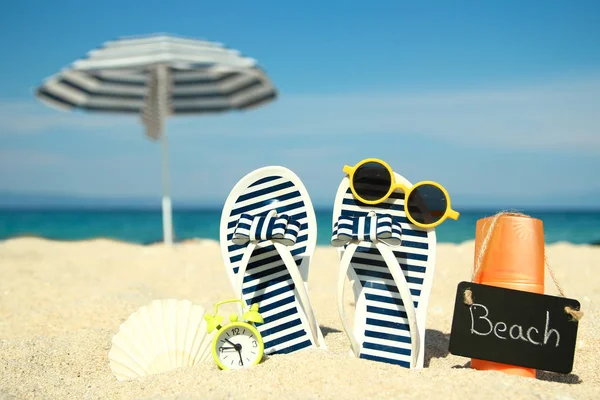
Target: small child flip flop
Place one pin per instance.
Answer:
(268, 235)
(390, 263)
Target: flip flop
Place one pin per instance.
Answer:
(268, 236)
(390, 263)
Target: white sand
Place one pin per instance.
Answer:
(61, 303)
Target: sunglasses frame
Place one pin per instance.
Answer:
(448, 213)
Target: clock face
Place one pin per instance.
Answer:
(238, 345)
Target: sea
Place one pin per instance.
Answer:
(144, 226)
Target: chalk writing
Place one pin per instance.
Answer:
(483, 326)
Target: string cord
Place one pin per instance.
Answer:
(468, 294)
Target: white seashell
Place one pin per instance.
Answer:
(164, 335)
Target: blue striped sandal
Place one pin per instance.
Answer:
(268, 235)
(390, 264)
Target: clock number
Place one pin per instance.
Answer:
(254, 344)
(235, 331)
(220, 349)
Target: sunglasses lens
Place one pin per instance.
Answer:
(427, 204)
(372, 181)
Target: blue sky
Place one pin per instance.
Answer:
(497, 101)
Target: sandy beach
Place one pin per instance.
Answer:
(61, 303)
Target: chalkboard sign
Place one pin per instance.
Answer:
(514, 327)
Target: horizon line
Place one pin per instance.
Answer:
(152, 208)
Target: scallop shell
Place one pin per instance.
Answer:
(161, 336)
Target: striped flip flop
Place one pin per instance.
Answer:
(390, 264)
(268, 236)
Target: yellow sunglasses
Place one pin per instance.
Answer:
(426, 204)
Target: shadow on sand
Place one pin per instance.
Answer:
(436, 345)
(327, 330)
(570, 379)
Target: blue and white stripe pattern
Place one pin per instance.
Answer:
(204, 77)
(280, 228)
(381, 323)
(382, 227)
(271, 207)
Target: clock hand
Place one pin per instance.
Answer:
(240, 354)
(230, 342)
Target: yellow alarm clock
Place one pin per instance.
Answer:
(237, 344)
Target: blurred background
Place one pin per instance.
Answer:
(497, 101)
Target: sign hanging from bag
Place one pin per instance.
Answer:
(514, 327)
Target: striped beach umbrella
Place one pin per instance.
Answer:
(155, 77)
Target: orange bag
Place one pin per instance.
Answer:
(513, 258)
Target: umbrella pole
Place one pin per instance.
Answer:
(166, 200)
